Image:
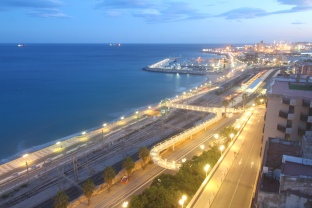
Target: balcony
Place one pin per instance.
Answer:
(289, 101)
(307, 103)
(304, 132)
(284, 129)
(283, 114)
(286, 115)
(286, 100)
(305, 118)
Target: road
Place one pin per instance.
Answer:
(236, 187)
(142, 179)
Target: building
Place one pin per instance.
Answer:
(286, 177)
(289, 110)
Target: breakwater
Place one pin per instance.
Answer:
(163, 66)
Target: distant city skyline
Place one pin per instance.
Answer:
(153, 21)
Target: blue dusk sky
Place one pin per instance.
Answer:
(155, 21)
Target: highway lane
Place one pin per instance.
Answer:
(238, 187)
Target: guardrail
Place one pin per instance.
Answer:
(172, 165)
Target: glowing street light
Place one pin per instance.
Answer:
(122, 118)
(58, 142)
(136, 112)
(202, 146)
(261, 100)
(104, 124)
(181, 201)
(216, 136)
(183, 160)
(221, 148)
(25, 155)
(206, 168)
(83, 133)
(125, 204)
(231, 135)
(149, 107)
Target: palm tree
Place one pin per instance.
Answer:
(144, 155)
(61, 200)
(109, 174)
(128, 164)
(225, 103)
(88, 189)
(232, 100)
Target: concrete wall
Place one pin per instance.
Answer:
(275, 200)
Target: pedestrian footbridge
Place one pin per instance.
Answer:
(215, 110)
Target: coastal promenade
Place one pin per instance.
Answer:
(13, 173)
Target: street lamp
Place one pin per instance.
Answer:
(149, 107)
(122, 118)
(125, 204)
(24, 156)
(181, 201)
(206, 168)
(231, 135)
(261, 100)
(104, 124)
(202, 146)
(216, 136)
(183, 160)
(83, 133)
(221, 149)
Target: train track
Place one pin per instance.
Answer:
(131, 139)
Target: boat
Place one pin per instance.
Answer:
(21, 45)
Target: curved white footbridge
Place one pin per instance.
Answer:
(176, 139)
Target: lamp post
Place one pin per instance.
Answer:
(221, 149)
(216, 136)
(231, 136)
(261, 100)
(206, 168)
(25, 156)
(182, 200)
(202, 147)
(125, 204)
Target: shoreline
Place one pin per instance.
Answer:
(130, 112)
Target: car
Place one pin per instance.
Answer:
(124, 179)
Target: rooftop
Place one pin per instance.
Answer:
(295, 166)
(283, 88)
(279, 147)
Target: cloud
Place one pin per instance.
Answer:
(37, 8)
(297, 23)
(243, 13)
(249, 13)
(151, 11)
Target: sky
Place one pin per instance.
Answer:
(155, 21)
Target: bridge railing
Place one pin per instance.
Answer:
(158, 148)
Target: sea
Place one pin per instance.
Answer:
(49, 92)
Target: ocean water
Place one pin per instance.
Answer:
(50, 91)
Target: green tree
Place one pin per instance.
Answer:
(61, 200)
(225, 103)
(128, 164)
(109, 174)
(88, 189)
(144, 154)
